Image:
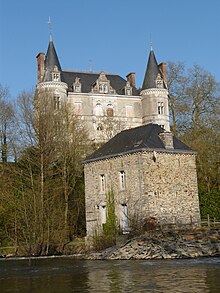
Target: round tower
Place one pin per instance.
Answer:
(154, 94)
(50, 76)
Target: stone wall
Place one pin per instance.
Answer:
(164, 187)
(170, 187)
(117, 123)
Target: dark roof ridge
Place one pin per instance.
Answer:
(89, 72)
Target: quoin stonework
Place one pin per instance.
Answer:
(150, 172)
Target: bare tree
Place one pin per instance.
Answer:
(6, 123)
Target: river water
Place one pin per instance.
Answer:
(66, 274)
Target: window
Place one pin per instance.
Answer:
(77, 108)
(159, 84)
(160, 108)
(99, 127)
(102, 183)
(77, 86)
(128, 89)
(109, 111)
(56, 77)
(159, 81)
(57, 103)
(124, 218)
(122, 179)
(103, 88)
(98, 109)
(102, 211)
(129, 111)
(128, 92)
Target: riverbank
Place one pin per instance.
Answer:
(201, 242)
(191, 243)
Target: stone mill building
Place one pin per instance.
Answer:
(150, 172)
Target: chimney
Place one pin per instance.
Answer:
(167, 139)
(163, 69)
(40, 67)
(131, 78)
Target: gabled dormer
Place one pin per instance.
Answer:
(128, 89)
(102, 85)
(77, 86)
(56, 74)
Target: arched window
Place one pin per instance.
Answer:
(109, 110)
(98, 110)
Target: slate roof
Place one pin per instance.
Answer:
(87, 79)
(137, 139)
(151, 73)
(51, 60)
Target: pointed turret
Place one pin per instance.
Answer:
(152, 73)
(154, 94)
(50, 76)
(51, 61)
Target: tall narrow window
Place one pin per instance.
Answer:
(129, 111)
(124, 218)
(160, 108)
(109, 110)
(57, 103)
(105, 88)
(102, 183)
(77, 108)
(122, 180)
(98, 109)
(102, 210)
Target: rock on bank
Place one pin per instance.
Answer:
(199, 243)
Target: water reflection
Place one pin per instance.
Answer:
(70, 275)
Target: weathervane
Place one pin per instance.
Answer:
(151, 48)
(50, 27)
(90, 65)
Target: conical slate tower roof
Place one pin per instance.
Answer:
(152, 72)
(51, 60)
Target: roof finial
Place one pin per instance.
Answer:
(90, 65)
(151, 48)
(50, 28)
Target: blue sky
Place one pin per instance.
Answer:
(114, 34)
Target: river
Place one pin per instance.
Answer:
(66, 274)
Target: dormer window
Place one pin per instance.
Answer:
(102, 85)
(103, 88)
(77, 86)
(128, 89)
(56, 77)
(159, 81)
(56, 74)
